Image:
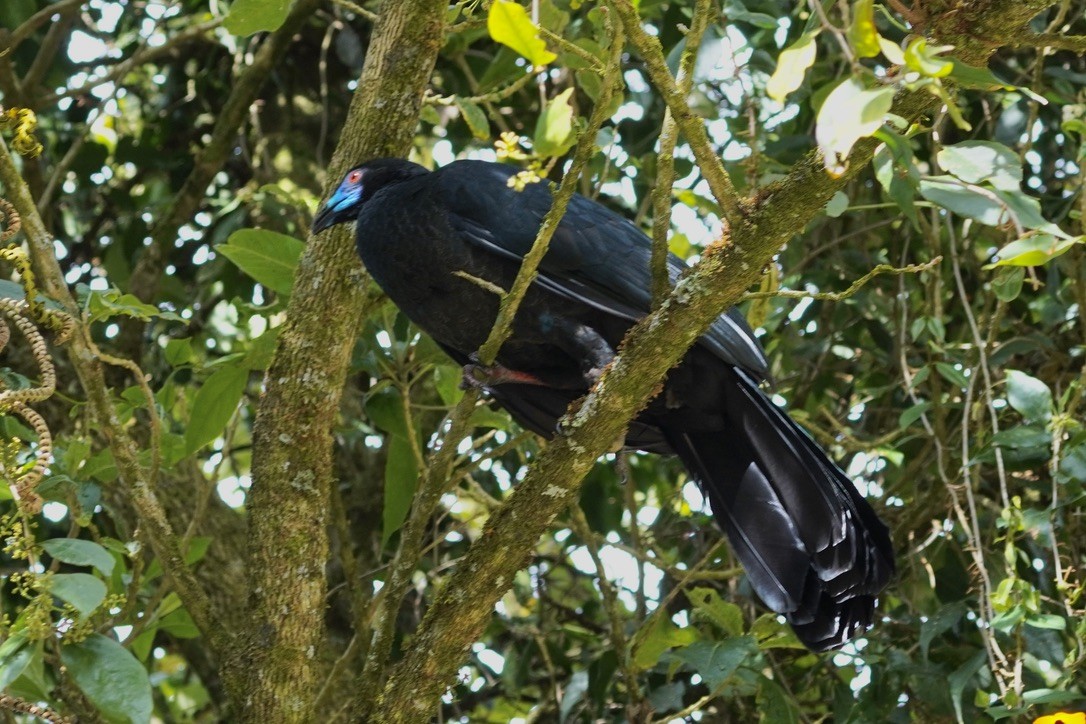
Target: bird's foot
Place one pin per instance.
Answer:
(481, 376)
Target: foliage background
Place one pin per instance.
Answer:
(184, 148)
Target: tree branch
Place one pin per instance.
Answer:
(712, 168)
(1077, 43)
(665, 159)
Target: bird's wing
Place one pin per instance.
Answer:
(595, 256)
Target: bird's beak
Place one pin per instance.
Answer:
(325, 217)
(341, 206)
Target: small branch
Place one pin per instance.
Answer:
(481, 283)
(503, 325)
(145, 55)
(665, 159)
(1077, 43)
(597, 66)
(14, 703)
(611, 605)
(712, 168)
(36, 20)
(853, 288)
(493, 97)
(357, 10)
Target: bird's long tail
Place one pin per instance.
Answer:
(813, 548)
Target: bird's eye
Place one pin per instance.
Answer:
(354, 176)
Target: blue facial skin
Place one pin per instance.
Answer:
(340, 207)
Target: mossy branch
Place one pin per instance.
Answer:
(852, 289)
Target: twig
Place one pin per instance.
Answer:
(1077, 43)
(712, 168)
(853, 288)
(14, 703)
(357, 10)
(38, 19)
(665, 159)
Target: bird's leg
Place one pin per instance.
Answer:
(482, 376)
(584, 344)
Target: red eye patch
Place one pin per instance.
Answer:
(354, 176)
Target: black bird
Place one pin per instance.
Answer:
(813, 548)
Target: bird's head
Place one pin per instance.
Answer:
(359, 185)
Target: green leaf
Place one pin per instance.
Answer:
(111, 677)
(736, 12)
(1007, 283)
(912, 414)
(837, 205)
(1047, 621)
(662, 636)
(252, 16)
(15, 656)
(80, 553)
(82, 590)
(266, 256)
(260, 354)
(178, 352)
(944, 619)
(1029, 396)
(401, 476)
(792, 66)
(862, 34)
(774, 705)
(849, 113)
(1033, 250)
(980, 161)
(963, 200)
(925, 60)
(715, 661)
(952, 374)
(960, 678)
(508, 23)
(892, 51)
(215, 403)
(475, 118)
(1023, 437)
(384, 408)
(554, 129)
(726, 616)
(104, 304)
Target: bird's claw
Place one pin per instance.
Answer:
(480, 376)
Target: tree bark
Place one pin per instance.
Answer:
(274, 674)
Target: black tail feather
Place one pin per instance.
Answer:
(813, 548)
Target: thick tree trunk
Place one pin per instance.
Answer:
(273, 675)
